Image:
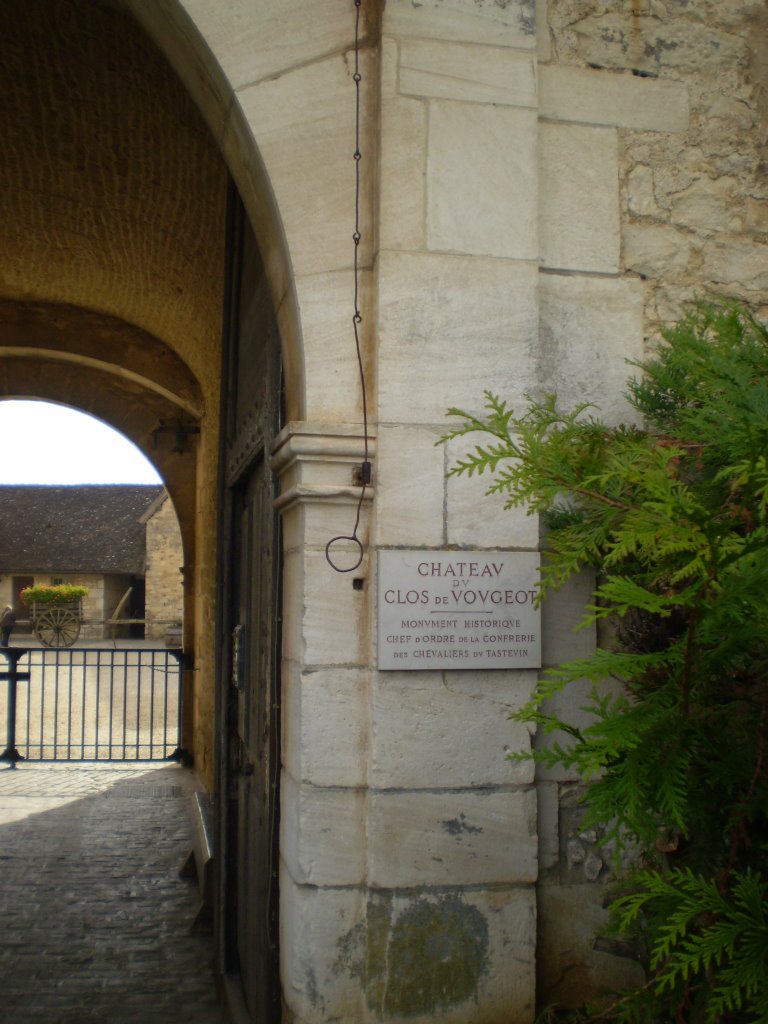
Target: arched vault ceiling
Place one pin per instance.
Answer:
(112, 193)
(73, 335)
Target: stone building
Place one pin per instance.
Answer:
(163, 568)
(122, 542)
(542, 185)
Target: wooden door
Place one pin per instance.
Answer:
(249, 704)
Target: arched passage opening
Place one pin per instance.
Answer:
(70, 356)
(112, 234)
(116, 373)
(81, 505)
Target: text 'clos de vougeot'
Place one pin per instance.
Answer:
(458, 610)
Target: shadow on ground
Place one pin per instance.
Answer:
(96, 920)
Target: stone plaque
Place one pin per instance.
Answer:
(458, 610)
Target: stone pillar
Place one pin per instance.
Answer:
(326, 726)
(450, 924)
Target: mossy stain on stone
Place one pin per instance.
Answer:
(438, 951)
(428, 958)
(379, 921)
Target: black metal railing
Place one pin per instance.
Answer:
(91, 704)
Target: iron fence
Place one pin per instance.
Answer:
(91, 704)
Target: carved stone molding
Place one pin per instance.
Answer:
(319, 462)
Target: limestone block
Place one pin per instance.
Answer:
(734, 111)
(303, 124)
(472, 21)
(314, 925)
(452, 956)
(570, 969)
(605, 97)
(655, 250)
(325, 618)
(409, 487)
(403, 168)
(448, 328)
(322, 833)
(640, 195)
(482, 180)
(706, 205)
(561, 614)
(310, 523)
(331, 369)
(473, 74)
(291, 344)
(670, 178)
(757, 214)
(671, 303)
(543, 40)
(256, 41)
(740, 266)
(617, 37)
(325, 725)
(451, 729)
(477, 519)
(548, 805)
(293, 608)
(579, 206)
(590, 327)
(452, 838)
(389, 55)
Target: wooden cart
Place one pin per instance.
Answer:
(57, 625)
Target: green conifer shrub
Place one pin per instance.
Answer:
(673, 520)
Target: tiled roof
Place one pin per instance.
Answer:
(93, 528)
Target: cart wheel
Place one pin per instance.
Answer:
(57, 627)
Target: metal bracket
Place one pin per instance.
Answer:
(362, 474)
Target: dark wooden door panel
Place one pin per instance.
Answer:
(250, 635)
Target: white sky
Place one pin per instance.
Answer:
(53, 444)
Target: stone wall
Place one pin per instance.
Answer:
(163, 602)
(693, 203)
(653, 135)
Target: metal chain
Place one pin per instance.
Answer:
(357, 319)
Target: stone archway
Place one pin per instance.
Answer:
(112, 220)
(274, 85)
(113, 215)
(160, 423)
(115, 372)
(160, 427)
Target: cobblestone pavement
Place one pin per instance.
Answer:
(95, 918)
